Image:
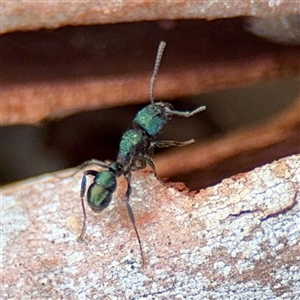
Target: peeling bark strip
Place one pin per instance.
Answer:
(27, 15)
(239, 239)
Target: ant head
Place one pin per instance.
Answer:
(153, 118)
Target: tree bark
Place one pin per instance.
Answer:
(235, 240)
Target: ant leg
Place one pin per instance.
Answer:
(129, 189)
(87, 163)
(185, 114)
(91, 162)
(152, 165)
(94, 162)
(82, 192)
(130, 212)
(142, 164)
(165, 144)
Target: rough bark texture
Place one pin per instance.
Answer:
(25, 15)
(239, 239)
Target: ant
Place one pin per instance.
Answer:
(135, 151)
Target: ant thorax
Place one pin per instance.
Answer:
(134, 144)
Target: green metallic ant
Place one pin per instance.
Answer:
(135, 150)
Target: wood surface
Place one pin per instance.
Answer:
(239, 239)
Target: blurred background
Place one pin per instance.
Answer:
(243, 79)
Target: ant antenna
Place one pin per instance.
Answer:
(159, 55)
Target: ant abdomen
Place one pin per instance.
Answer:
(100, 192)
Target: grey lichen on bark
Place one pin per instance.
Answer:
(237, 240)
